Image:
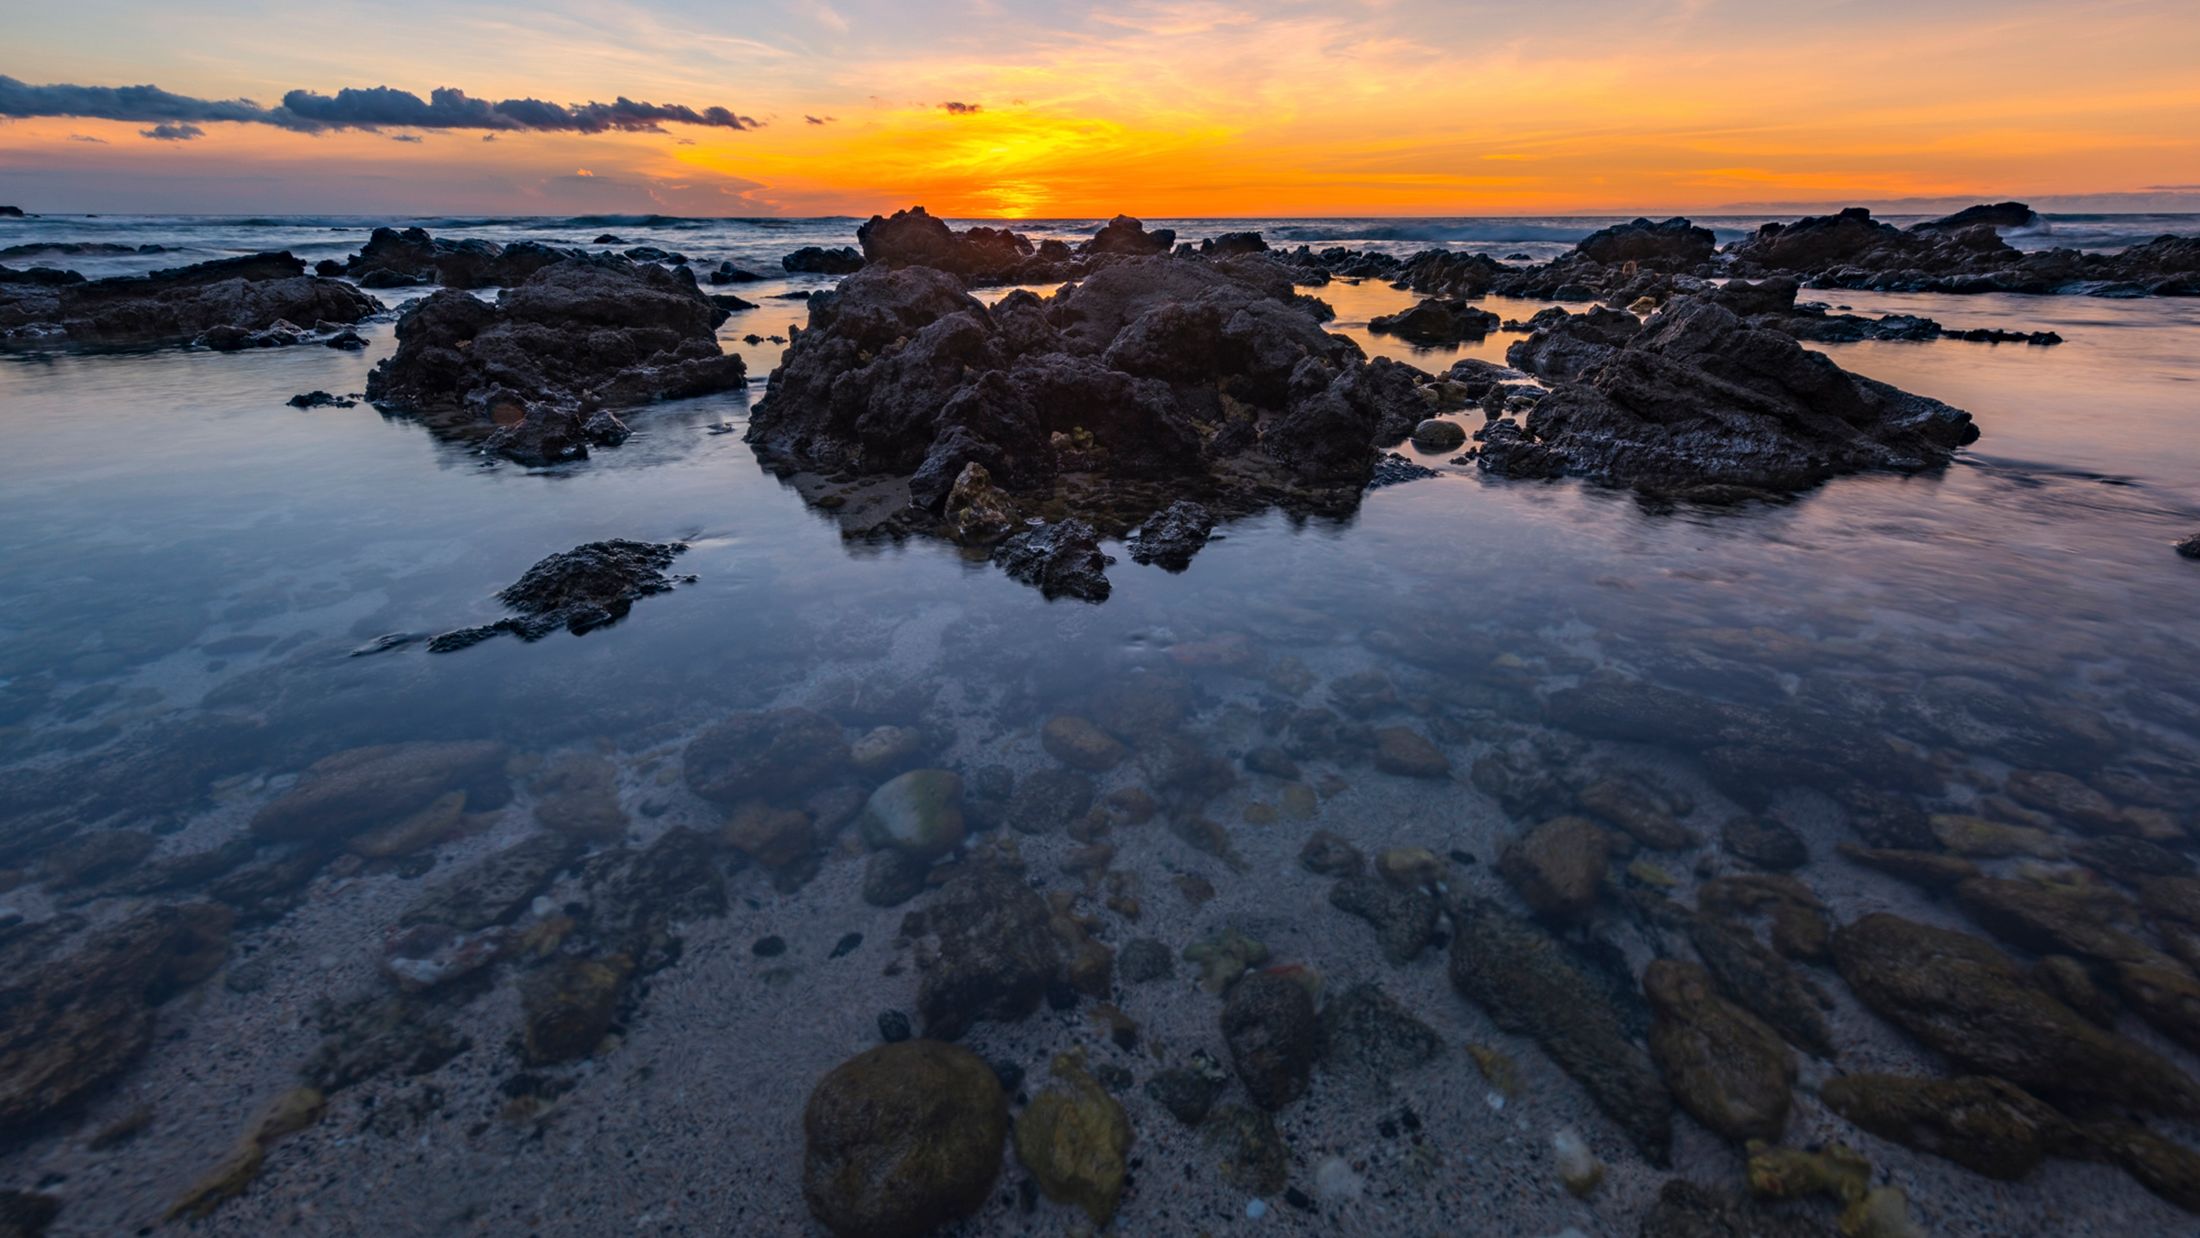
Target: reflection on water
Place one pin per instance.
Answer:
(1993, 666)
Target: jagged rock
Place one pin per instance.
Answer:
(1698, 399)
(1964, 998)
(1674, 245)
(1986, 1125)
(1727, 1069)
(1170, 537)
(1529, 985)
(246, 295)
(1125, 235)
(901, 1140)
(1436, 322)
(392, 259)
(361, 788)
(815, 260)
(914, 238)
(1274, 1037)
(578, 336)
(1060, 560)
(580, 590)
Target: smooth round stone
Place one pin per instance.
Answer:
(1439, 435)
(919, 812)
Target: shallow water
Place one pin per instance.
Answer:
(176, 545)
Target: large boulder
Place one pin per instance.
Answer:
(901, 1140)
(1125, 235)
(1725, 1067)
(915, 238)
(990, 955)
(1701, 402)
(255, 293)
(578, 337)
(1967, 1000)
(1674, 245)
(393, 259)
(1986, 1125)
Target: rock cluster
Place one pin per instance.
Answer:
(394, 259)
(580, 590)
(540, 371)
(268, 295)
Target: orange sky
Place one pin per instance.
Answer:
(1191, 108)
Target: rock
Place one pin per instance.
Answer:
(815, 260)
(1686, 1210)
(1643, 813)
(568, 1006)
(236, 297)
(1996, 215)
(25, 1214)
(1404, 919)
(1986, 1125)
(1579, 1170)
(639, 896)
(1558, 867)
(1251, 1156)
(1764, 843)
(901, 1140)
(319, 399)
(1436, 322)
(1409, 868)
(1674, 245)
(577, 794)
(1405, 752)
(773, 837)
(893, 877)
(2061, 796)
(1367, 1031)
(2190, 547)
(919, 812)
(2170, 1170)
(1698, 400)
(1962, 997)
(1329, 855)
(1274, 1036)
(1125, 235)
(1170, 537)
(495, 889)
(580, 590)
(1529, 985)
(1079, 744)
(1060, 560)
(94, 856)
(1436, 434)
(994, 956)
(884, 751)
(976, 512)
(1075, 1138)
(1763, 983)
(393, 259)
(361, 788)
(1144, 960)
(1224, 957)
(79, 1021)
(775, 754)
(1929, 869)
(1724, 1067)
(1049, 800)
(914, 238)
(580, 335)
(379, 1035)
(1797, 1173)
(287, 1114)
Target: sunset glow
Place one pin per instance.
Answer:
(1156, 108)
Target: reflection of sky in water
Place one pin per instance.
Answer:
(158, 507)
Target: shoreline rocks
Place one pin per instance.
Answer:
(580, 590)
(253, 300)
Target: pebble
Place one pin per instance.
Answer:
(893, 1027)
(1255, 1209)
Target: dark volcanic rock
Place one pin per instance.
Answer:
(1170, 537)
(1674, 245)
(579, 336)
(1530, 985)
(1994, 215)
(813, 260)
(1698, 401)
(1060, 560)
(914, 238)
(1966, 999)
(582, 589)
(249, 294)
(1962, 253)
(393, 259)
(1152, 378)
(1437, 321)
(1125, 235)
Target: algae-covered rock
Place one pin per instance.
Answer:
(1074, 1139)
(1797, 1173)
(1986, 1125)
(1224, 957)
(995, 953)
(1529, 985)
(361, 788)
(1251, 1156)
(919, 812)
(569, 1006)
(1274, 1036)
(1558, 866)
(2168, 1169)
(771, 754)
(1724, 1066)
(1366, 1030)
(1077, 743)
(902, 1139)
(1966, 999)
(1404, 919)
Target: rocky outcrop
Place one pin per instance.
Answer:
(1700, 403)
(1436, 322)
(1674, 245)
(902, 1140)
(257, 293)
(588, 587)
(815, 260)
(394, 259)
(1125, 235)
(539, 371)
(1962, 253)
(1993, 215)
(1154, 379)
(914, 238)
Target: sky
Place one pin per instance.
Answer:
(1003, 108)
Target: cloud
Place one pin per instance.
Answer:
(962, 109)
(819, 120)
(86, 137)
(2172, 188)
(488, 137)
(169, 131)
(369, 108)
(410, 137)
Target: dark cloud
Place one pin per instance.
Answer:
(170, 131)
(488, 137)
(406, 137)
(371, 108)
(86, 137)
(819, 120)
(962, 109)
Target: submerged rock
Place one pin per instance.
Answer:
(919, 813)
(993, 953)
(244, 295)
(1530, 986)
(1060, 560)
(358, 789)
(1964, 998)
(1075, 1138)
(1366, 1030)
(774, 754)
(901, 1140)
(1274, 1036)
(588, 587)
(1986, 1125)
(1724, 1067)
(1170, 537)
(568, 1006)
(1404, 918)
(1558, 867)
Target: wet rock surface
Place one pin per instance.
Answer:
(256, 293)
(902, 1140)
(578, 590)
(394, 258)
